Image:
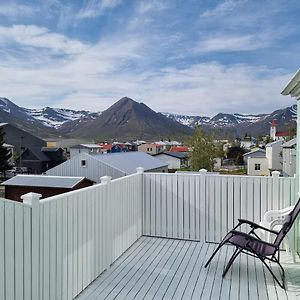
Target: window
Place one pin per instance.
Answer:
(83, 163)
(257, 167)
(148, 149)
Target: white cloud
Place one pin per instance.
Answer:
(223, 8)
(40, 37)
(232, 43)
(95, 8)
(13, 10)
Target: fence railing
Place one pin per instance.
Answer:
(204, 206)
(53, 248)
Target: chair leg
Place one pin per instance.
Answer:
(281, 284)
(214, 253)
(235, 254)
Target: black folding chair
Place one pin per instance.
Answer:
(251, 244)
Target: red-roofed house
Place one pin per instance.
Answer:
(179, 149)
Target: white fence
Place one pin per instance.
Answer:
(53, 248)
(206, 206)
(57, 246)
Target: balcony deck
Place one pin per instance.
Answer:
(159, 268)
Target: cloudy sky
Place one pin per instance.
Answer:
(180, 56)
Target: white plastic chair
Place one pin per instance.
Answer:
(273, 219)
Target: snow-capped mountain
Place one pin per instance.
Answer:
(56, 117)
(48, 122)
(219, 120)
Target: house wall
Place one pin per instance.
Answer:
(288, 162)
(93, 170)
(76, 151)
(273, 154)
(15, 192)
(159, 170)
(254, 154)
(173, 162)
(262, 161)
(150, 148)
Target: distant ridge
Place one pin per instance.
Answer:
(128, 119)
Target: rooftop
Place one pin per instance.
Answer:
(129, 161)
(44, 181)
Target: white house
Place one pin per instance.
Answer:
(261, 162)
(257, 163)
(175, 160)
(257, 166)
(289, 150)
(255, 153)
(85, 148)
(274, 155)
(113, 164)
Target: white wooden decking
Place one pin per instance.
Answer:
(159, 268)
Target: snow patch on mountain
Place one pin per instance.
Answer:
(56, 117)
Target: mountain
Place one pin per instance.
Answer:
(55, 117)
(126, 119)
(239, 124)
(17, 116)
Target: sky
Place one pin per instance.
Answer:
(179, 56)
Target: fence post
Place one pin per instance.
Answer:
(275, 177)
(108, 223)
(33, 199)
(203, 214)
(140, 171)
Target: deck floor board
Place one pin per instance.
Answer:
(159, 268)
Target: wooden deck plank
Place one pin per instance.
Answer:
(149, 273)
(157, 268)
(119, 264)
(197, 292)
(226, 282)
(129, 280)
(104, 289)
(160, 273)
(159, 287)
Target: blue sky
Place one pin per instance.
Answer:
(181, 56)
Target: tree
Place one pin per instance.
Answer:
(204, 150)
(5, 154)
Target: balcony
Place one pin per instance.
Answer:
(144, 236)
(160, 268)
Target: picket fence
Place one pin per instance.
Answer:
(53, 248)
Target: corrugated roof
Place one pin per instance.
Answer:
(263, 152)
(127, 162)
(274, 143)
(81, 146)
(44, 181)
(290, 143)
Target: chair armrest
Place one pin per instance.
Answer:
(256, 226)
(269, 215)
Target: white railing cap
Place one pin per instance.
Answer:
(140, 170)
(105, 179)
(203, 171)
(275, 174)
(29, 198)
